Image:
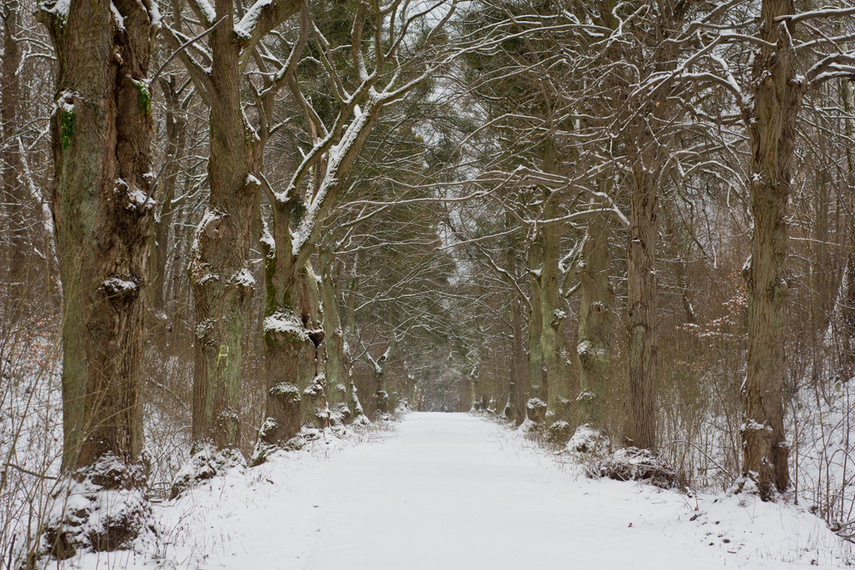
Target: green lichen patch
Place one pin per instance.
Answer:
(144, 96)
(66, 125)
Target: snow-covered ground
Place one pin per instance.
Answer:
(453, 491)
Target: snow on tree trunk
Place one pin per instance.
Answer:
(771, 123)
(102, 206)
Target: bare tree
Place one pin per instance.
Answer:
(384, 65)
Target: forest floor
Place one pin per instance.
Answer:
(454, 491)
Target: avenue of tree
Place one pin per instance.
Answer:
(632, 222)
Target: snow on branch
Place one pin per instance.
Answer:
(837, 65)
(260, 20)
(204, 11)
(814, 14)
(523, 176)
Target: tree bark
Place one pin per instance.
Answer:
(337, 369)
(315, 408)
(349, 332)
(102, 209)
(222, 282)
(519, 372)
(290, 337)
(519, 367)
(595, 322)
(771, 122)
(382, 399)
(640, 427)
(537, 377)
(559, 404)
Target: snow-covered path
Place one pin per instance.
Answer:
(452, 491)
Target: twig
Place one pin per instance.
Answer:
(33, 473)
(182, 47)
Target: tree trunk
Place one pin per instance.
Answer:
(291, 338)
(640, 427)
(537, 377)
(315, 409)
(844, 305)
(222, 281)
(176, 137)
(14, 193)
(559, 404)
(595, 322)
(9, 157)
(337, 369)
(771, 121)
(102, 210)
(519, 372)
(349, 332)
(382, 402)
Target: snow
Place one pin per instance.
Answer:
(117, 286)
(156, 17)
(455, 491)
(246, 26)
(117, 16)
(137, 199)
(243, 278)
(207, 10)
(60, 8)
(752, 425)
(287, 323)
(535, 403)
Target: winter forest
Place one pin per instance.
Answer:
(241, 236)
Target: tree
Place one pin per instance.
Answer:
(102, 205)
(595, 321)
(10, 151)
(222, 282)
(385, 71)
